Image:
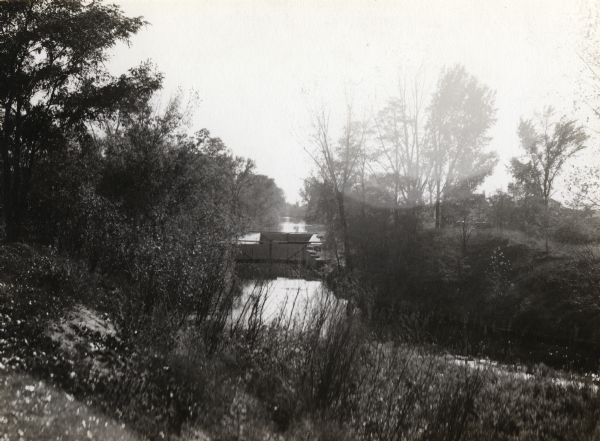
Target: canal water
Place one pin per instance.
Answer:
(291, 225)
(288, 225)
(283, 298)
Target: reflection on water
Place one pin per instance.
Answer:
(249, 237)
(285, 299)
(291, 225)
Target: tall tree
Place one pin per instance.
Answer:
(402, 141)
(338, 164)
(462, 112)
(548, 144)
(53, 81)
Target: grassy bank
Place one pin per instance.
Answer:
(328, 379)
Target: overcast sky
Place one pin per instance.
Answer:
(260, 67)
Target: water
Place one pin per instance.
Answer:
(289, 225)
(291, 299)
(285, 300)
(292, 225)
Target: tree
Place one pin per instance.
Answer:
(318, 200)
(468, 212)
(501, 210)
(461, 114)
(402, 142)
(547, 146)
(263, 201)
(161, 217)
(337, 164)
(53, 82)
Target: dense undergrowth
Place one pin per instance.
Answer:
(324, 378)
(500, 295)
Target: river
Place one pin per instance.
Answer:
(288, 298)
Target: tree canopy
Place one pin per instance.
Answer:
(461, 113)
(53, 82)
(547, 145)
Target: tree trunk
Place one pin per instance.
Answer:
(344, 226)
(12, 206)
(438, 208)
(546, 226)
(10, 211)
(363, 205)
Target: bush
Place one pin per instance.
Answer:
(575, 232)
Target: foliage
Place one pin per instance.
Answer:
(263, 202)
(412, 155)
(583, 186)
(296, 210)
(403, 144)
(53, 82)
(339, 165)
(475, 288)
(462, 112)
(547, 147)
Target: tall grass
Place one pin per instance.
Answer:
(311, 371)
(325, 366)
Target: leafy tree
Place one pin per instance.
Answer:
(319, 201)
(263, 201)
(53, 82)
(461, 114)
(161, 218)
(296, 210)
(548, 145)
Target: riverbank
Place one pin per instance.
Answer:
(327, 380)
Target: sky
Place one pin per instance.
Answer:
(260, 68)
